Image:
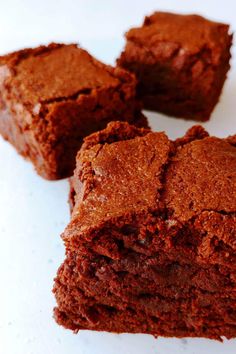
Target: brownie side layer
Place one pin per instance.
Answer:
(180, 61)
(51, 97)
(151, 243)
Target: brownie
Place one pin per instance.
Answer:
(181, 62)
(52, 96)
(151, 244)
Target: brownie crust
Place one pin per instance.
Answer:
(150, 247)
(52, 96)
(180, 61)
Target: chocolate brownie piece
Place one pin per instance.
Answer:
(52, 96)
(151, 245)
(181, 62)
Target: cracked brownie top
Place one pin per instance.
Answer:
(54, 72)
(141, 171)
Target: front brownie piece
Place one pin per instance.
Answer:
(151, 245)
(181, 62)
(52, 96)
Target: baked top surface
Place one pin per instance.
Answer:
(194, 174)
(192, 32)
(48, 73)
(202, 176)
(123, 177)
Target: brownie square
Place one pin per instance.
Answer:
(52, 96)
(181, 62)
(151, 244)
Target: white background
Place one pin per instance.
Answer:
(33, 212)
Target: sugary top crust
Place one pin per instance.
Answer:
(145, 171)
(57, 71)
(201, 176)
(191, 33)
(126, 176)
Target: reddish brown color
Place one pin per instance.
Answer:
(181, 62)
(151, 243)
(53, 96)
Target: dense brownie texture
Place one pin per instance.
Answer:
(180, 61)
(52, 96)
(151, 243)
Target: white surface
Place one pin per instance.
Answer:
(34, 212)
